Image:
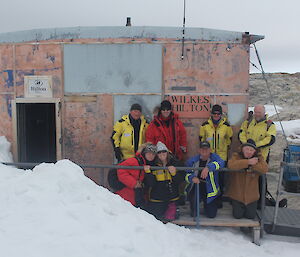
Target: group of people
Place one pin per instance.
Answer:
(163, 143)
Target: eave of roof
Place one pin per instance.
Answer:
(175, 33)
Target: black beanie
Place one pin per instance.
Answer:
(251, 143)
(165, 105)
(136, 107)
(217, 108)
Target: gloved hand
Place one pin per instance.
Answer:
(183, 149)
(118, 154)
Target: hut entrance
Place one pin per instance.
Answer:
(37, 131)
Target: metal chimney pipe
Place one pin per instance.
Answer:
(128, 22)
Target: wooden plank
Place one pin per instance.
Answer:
(224, 218)
(58, 112)
(82, 99)
(217, 222)
(14, 127)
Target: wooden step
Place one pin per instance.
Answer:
(224, 218)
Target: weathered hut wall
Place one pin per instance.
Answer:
(216, 70)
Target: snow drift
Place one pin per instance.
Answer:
(55, 211)
(5, 154)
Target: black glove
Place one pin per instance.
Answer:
(118, 154)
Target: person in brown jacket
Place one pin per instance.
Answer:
(243, 189)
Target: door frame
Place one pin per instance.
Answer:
(57, 103)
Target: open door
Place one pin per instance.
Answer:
(37, 129)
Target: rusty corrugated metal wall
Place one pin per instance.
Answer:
(219, 70)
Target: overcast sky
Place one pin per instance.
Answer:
(278, 20)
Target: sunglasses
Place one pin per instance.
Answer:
(163, 151)
(166, 109)
(216, 113)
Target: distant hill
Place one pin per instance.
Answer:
(285, 89)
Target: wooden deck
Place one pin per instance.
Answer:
(224, 218)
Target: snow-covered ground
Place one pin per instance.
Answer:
(291, 129)
(55, 211)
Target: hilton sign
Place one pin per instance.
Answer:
(190, 106)
(38, 86)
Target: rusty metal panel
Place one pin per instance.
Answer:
(192, 131)
(6, 69)
(109, 68)
(86, 133)
(122, 104)
(6, 116)
(39, 60)
(215, 68)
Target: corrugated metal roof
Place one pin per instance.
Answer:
(126, 32)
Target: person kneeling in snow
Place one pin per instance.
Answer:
(132, 178)
(164, 185)
(208, 179)
(243, 189)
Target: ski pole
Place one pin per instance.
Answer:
(197, 207)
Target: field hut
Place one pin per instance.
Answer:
(61, 90)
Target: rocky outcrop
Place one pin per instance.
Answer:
(285, 89)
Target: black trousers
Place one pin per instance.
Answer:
(210, 209)
(240, 210)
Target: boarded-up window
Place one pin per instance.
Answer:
(108, 68)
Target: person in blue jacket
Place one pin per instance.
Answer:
(207, 179)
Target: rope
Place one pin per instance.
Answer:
(255, 66)
(270, 93)
(183, 31)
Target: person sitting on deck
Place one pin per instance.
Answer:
(133, 178)
(163, 185)
(243, 189)
(208, 179)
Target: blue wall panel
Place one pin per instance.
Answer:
(113, 68)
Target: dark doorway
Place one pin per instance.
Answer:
(36, 130)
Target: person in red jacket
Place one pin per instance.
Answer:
(168, 129)
(132, 178)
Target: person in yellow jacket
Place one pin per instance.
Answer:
(217, 132)
(261, 130)
(129, 133)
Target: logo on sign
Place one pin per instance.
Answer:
(38, 86)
